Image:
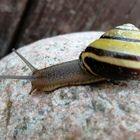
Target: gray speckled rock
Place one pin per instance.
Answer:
(103, 112)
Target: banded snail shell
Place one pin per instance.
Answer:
(115, 55)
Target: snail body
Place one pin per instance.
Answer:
(60, 75)
(115, 55)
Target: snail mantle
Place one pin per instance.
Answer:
(95, 111)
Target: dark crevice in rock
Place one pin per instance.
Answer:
(8, 113)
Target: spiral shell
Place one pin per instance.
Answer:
(115, 55)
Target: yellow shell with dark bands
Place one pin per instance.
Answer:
(115, 55)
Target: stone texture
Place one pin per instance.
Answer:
(99, 111)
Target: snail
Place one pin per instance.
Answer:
(115, 55)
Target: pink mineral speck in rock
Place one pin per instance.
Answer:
(102, 112)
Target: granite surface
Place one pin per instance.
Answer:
(104, 111)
